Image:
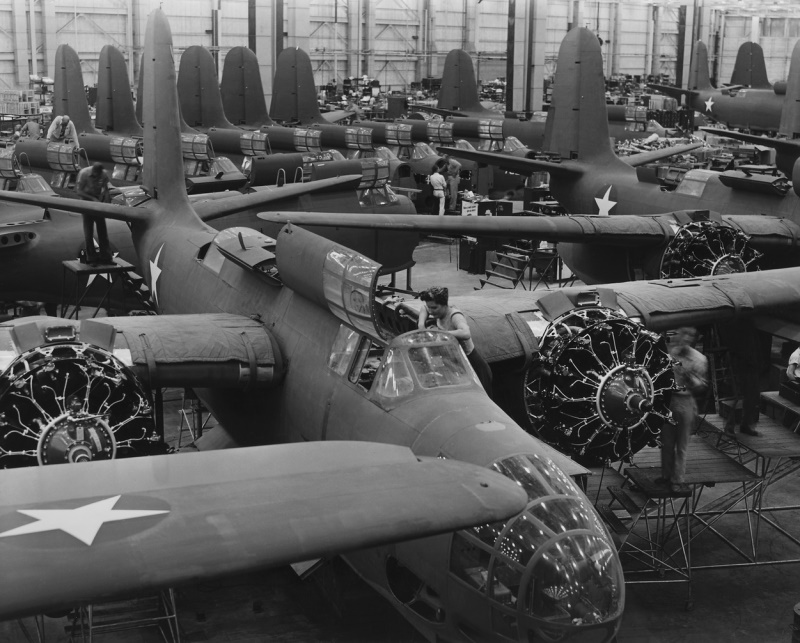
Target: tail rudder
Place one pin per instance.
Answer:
(198, 90)
(294, 96)
(162, 174)
(790, 116)
(242, 91)
(577, 124)
(459, 90)
(698, 70)
(69, 93)
(115, 110)
(750, 69)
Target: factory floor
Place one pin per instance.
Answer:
(753, 604)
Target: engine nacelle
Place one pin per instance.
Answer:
(65, 397)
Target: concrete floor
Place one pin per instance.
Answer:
(753, 604)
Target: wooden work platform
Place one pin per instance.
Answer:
(80, 268)
(705, 465)
(777, 407)
(774, 441)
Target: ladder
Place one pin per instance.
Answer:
(723, 384)
(509, 269)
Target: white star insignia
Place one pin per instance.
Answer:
(82, 523)
(155, 273)
(605, 204)
(709, 104)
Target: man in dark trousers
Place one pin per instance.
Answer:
(92, 185)
(452, 320)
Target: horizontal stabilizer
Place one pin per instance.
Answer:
(105, 210)
(642, 158)
(216, 208)
(71, 535)
(516, 164)
(675, 92)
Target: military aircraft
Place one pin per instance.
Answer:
(787, 148)
(587, 177)
(332, 363)
(750, 108)
(76, 535)
(459, 103)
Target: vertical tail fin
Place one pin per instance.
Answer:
(698, 70)
(139, 102)
(294, 97)
(198, 90)
(577, 125)
(750, 69)
(115, 111)
(69, 93)
(242, 90)
(790, 116)
(459, 90)
(162, 174)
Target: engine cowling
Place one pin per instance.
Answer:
(65, 399)
(599, 386)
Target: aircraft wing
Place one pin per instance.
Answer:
(629, 230)
(218, 208)
(641, 158)
(524, 166)
(75, 534)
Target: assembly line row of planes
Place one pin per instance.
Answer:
(288, 338)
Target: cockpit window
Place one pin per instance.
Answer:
(693, 182)
(537, 475)
(511, 144)
(437, 366)
(223, 164)
(395, 378)
(574, 582)
(421, 151)
(343, 348)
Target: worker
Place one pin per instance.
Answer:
(92, 185)
(439, 185)
(62, 130)
(449, 318)
(31, 129)
(453, 175)
(691, 377)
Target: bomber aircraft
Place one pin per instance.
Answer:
(330, 363)
(588, 178)
(318, 326)
(753, 108)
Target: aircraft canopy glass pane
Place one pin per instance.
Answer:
(343, 348)
(347, 282)
(223, 164)
(511, 144)
(439, 132)
(422, 151)
(694, 182)
(575, 581)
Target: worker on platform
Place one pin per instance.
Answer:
(452, 173)
(438, 311)
(92, 185)
(691, 378)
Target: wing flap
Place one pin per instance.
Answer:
(131, 525)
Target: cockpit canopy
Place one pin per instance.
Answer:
(418, 361)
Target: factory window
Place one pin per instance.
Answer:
(773, 27)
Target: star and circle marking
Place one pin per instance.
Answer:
(82, 522)
(709, 103)
(155, 273)
(605, 204)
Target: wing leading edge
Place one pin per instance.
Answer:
(76, 534)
